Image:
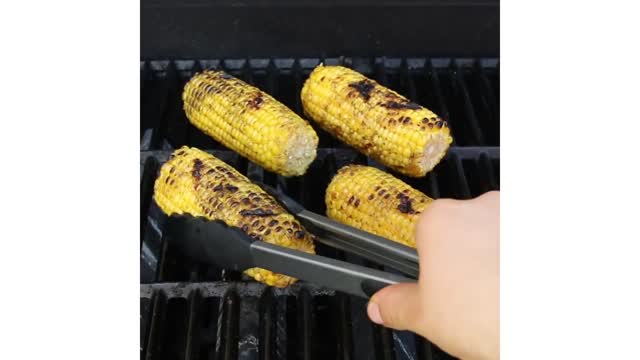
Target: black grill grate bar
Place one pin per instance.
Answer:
(383, 343)
(249, 328)
(227, 344)
(305, 324)
(381, 72)
(193, 328)
(161, 122)
(462, 186)
(296, 71)
(283, 332)
(434, 189)
(145, 75)
(410, 86)
(155, 344)
(267, 326)
(255, 172)
(488, 172)
(247, 73)
(344, 323)
(272, 79)
(164, 263)
(434, 80)
(471, 119)
(146, 192)
(145, 310)
(487, 91)
(153, 109)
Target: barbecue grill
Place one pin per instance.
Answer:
(190, 310)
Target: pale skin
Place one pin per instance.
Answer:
(456, 302)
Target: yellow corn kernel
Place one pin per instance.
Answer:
(197, 183)
(372, 200)
(250, 122)
(375, 120)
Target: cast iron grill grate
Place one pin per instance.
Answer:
(190, 310)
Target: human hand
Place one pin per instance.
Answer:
(455, 303)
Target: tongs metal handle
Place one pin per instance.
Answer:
(229, 247)
(350, 239)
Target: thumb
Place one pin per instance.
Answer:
(396, 306)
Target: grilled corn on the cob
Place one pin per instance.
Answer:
(375, 120)
(372, 200)
(198, 183)
(251, 122)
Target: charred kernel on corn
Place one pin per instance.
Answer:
(249, 121)
(375, 120)
(375, 201)
(202, 185)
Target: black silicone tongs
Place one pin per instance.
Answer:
(229, 247)
(350, 239)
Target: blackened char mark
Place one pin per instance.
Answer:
(197, 166)
(364, 88)
(405, 205)
(401, 105)
(257, 212)
(231, 188)
(256, 102)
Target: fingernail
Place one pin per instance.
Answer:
(373, 310)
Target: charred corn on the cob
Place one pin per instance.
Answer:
(198, 183)
(372, 200)
(375, 120)
(251, 122)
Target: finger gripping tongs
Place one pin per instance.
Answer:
(229, 247)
